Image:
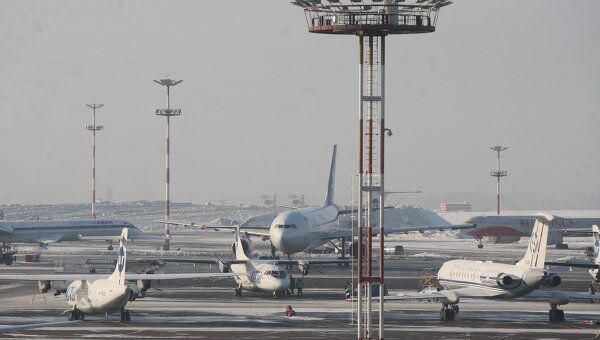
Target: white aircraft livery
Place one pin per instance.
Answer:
(489, 280)
(295, 231)
(257, 275)
(52, 231)
(98, 294)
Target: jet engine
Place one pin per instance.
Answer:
(507, 281)
(246, 245)
(551, 280)
(59, 287)
(224, 267)
(303, 266)
(502, 280)
(44, 286)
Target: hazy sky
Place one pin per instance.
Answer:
(263, 101)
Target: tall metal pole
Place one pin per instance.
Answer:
(498, 173)
(94, 128)
(168, 112)
(359, 294)
(382, 132)
(369, 184)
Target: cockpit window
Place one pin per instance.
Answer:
(286, 226)
(279, 274)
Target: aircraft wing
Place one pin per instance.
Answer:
(93, 277)
(328, 235)
(399, 230)
(177, 276)
(559, 294)
(116, 238)
(451, 294)
(9, 329)
(573, 264)
(248, 230)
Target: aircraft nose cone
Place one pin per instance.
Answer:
(288, 240)
(276, 237)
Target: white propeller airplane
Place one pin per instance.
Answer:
(299, 230)
(489, 280)
(98, 294)
(592, 252)
(257, 275)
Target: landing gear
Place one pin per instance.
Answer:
(76, 314)
(110, 246)
(562, 246)
(7, 254)
(273, 250)
(125, 316)
(480, 244)
(447, 313)
(238, 291)
(277, 294)
(555, 314)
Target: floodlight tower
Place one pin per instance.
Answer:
(94, 128)
(371, 21)
(168, 112)
(498, 173)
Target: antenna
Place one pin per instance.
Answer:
(94, 128)
(168, 112)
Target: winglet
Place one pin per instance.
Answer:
(119, 274)
(331, 183)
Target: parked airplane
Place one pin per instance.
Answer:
(510, 229)
(257, 275)
(299, 230)
(488, 280)
(593, 254)
(44, 232)
(98, 294)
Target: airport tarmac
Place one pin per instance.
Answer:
(209, 310)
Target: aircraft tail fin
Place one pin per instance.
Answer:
(596, 235)
(538, 242)
(239, 247)
(331, 183)
(119, 274)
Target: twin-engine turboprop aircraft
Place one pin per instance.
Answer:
(489, 280)
(98, 294)
(258, 275)
(300, 230)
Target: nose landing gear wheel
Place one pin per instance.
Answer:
(125, 315)
(238, 291)
(448, 313)
(556, 315)
(76, 314)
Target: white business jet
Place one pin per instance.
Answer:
(488, 280)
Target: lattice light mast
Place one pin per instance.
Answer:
(168, 112)
(498, 174)
(371, 21)
(94, 128)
